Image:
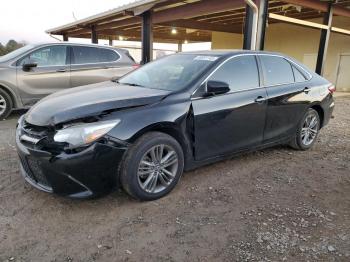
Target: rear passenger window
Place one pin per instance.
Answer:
(85, 55)
(108, 55)
(277, 70)
(240, 73)
(92, 55)
(299, 77)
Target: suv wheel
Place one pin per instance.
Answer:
(307, 131)
(152, 166)
(5, 104)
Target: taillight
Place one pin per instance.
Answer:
(332, 89)
(135, 66)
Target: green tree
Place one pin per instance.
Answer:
(2, 50)
(10, 46)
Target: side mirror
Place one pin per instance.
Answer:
(216, 87)
(29, 65)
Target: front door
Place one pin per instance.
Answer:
(51, 74)
(233, 121)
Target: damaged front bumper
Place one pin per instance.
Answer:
(90, 172)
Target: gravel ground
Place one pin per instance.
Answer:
(272, 205)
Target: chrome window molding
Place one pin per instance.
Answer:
(228, 93)
(98, 63)
(13, 64)
(304, 72)
(300, 68)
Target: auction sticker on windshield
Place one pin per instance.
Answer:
(206, 58)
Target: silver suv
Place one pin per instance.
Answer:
(34, 71)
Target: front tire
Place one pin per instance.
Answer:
(152, 166)
(5, 105)
(307, 131)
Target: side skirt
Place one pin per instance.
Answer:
(191, 165)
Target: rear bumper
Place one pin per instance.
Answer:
(328, 107)
(89, 173)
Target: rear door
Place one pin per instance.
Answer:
(235, 120)
(51, 74)
(95, 64)
(288, 94)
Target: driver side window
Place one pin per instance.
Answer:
(240, 73)
(47, 56)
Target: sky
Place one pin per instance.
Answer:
(25, 20)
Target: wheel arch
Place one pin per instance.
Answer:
(320, 112)
(172, 129)
(12, 95)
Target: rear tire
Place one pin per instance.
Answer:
(152, 166)
(5, 104)
(307, 131)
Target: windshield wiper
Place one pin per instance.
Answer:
(115, 79)
(131, 84)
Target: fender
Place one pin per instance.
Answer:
(134, 123)
(17, 102)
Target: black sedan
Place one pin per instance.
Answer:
(171, 115)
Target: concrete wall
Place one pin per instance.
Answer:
(298, 42)
(221, 40)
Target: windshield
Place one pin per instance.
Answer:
(172, 73)
(15, 53)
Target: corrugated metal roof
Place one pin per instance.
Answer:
(105, 14)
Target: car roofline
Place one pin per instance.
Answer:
(74, 44)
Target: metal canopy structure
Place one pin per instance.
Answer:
(200, 16)
(178, 21)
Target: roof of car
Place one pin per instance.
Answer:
(217, 52)
(223, 52)
(71, 43)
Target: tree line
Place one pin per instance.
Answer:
(10, 46)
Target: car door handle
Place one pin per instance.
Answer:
(62, 70)
(307, 90)
(259, 99)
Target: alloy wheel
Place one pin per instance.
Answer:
(309, 129)
(157, 168)
(2, 104)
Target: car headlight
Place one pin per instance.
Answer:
(83, 134)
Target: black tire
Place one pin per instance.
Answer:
(129, 176)
(5, 100)
(297, 142)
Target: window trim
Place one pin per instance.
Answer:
(72, 58)
(295, 68)
(68, 45)
(292, 63)
(262, 84)
(240, 90)
(37, 49)
(220, 65)
(278, 84)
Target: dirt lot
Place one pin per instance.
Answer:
(273, 205)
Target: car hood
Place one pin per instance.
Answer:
(90, 100)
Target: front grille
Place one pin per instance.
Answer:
(34, 172)
(35, 131)
(26, 169)
(38, 137)
(38, 173)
